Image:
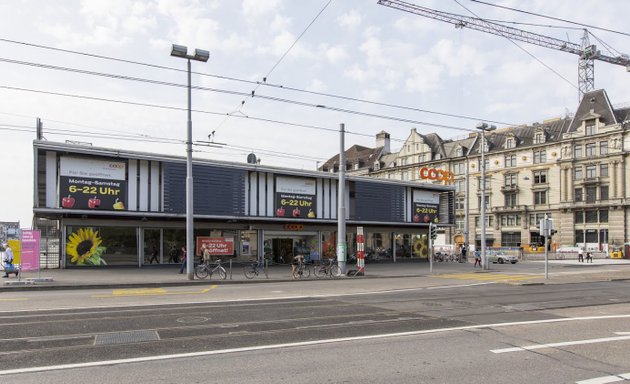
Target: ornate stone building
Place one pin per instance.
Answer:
(572, 169)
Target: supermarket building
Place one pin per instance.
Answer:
(101, 207)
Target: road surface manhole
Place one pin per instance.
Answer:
(192, 319)
(126, 337)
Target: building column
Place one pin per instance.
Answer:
(615, 179)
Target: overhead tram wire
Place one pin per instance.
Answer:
(521, 48)
(159, 140)
(265, 84)
(240, 106)
(551, 17)
(236, 93)
(167, 107)
(93, 98)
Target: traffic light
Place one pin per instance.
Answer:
(432, 231)
(552, 232)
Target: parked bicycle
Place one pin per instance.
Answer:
(255, 269)
(302, 270)
(204, 270)
(330, 269)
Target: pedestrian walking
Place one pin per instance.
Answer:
(154, 255)
(477, 258)
(7, 261)
(184, 260)
(464, 252)
(581, 255)
(589, 257)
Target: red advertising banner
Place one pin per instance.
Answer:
(216, 246)
(30, 249)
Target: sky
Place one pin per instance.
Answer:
(56, 65)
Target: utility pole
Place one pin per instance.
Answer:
(341, 201)
(483, 127)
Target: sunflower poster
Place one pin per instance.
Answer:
(84, 247)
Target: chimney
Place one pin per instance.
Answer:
(382, 140)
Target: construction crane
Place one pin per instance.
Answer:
(586, 51)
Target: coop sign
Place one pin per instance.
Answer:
(437, 174)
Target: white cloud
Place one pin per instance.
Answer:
(336, 54)
(503, 107)
(351, 19)
(356, 73)
(280, 23)
(458, 60)
(424, 75)
(317, 85)
(260, 7)
(411, 24)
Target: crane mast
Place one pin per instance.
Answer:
(586, 52)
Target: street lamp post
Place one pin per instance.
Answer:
(483, 127)
(203, 56)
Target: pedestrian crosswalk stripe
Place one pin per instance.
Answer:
(486, 276)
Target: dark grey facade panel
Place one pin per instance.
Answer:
(217, 190)
(447, 207)
(378, 202)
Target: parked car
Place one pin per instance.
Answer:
(503, 258)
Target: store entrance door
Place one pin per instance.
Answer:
(282, 250)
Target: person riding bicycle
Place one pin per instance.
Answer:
(295, 262)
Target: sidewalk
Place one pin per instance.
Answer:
(560, 272)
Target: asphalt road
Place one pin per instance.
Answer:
(402, 333)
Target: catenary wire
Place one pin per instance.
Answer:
(236, 93)
(523, 49)
(551, 17)
(240, 106)
(161, 140)
(93, 98)
(265, 84)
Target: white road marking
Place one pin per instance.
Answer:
(605, 379)
(298, 344)
(561, 344)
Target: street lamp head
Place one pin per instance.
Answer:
(481, 126)
(201, 55)
(179, 51)
(485, 127)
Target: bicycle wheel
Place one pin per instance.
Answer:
(306, 272)
(222, 273)
(250, 271)
(319, 271)
(333, 271)
(201, 271)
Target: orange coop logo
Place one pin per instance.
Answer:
(437, 174)
(294, 227)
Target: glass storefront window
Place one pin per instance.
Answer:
(329, 245)
(151, 246)
(101, 246)
(173, 242)
(378, 246)
(248, 246)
